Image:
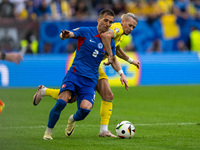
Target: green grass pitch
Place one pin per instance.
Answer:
(165, 118)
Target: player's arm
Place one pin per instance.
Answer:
(120, 53)
(116, 66)
(66, 34)
(106, 39)
(12, 57)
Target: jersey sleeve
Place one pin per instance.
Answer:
(80, 32)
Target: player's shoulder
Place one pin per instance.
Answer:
(117, 28)
(116, 24)
(92, 28)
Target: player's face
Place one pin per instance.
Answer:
(104, 23)
(128, 25)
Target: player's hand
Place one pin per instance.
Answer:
(65, 34)
(14, 57)
(110, 60)
(124, 81)
(136, 63)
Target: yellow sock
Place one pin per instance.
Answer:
(105, 111)
(52, 92)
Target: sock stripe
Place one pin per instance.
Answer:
(106, 100)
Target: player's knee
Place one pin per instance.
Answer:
(111, 96)
(85, 104)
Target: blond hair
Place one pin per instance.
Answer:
(125, 16)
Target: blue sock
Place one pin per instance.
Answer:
(80, 114)
(55, 112)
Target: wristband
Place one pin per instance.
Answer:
(3, 55)
(130, 60)
(120, 72)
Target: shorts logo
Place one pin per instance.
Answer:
(100, 45)
(116, 30)
(64, 85)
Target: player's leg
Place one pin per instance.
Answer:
(52, 92)
(85, 101)
(66, 91)
(80, 114)
(43, 91)
(83, 111)
(55, 113)
(106, 94)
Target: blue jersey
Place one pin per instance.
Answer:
(90, 52)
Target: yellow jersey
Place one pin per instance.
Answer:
(118, 31)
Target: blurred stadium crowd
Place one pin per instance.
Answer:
(28, 13)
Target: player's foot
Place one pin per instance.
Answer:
(38, 96)
(47, 136)
(107, 134)
(70, 127)
(2, 105)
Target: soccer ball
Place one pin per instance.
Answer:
(125, 130)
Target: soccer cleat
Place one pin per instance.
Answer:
(107, 134)
(38, 96)
(2, 105)
(70, 127)
(47, 136)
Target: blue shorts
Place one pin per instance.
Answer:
(82, 87)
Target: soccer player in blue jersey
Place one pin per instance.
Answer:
(82, 77)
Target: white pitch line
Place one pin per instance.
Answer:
(153, 124)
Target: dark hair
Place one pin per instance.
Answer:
(107, 12)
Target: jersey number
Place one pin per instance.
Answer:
(95, 53)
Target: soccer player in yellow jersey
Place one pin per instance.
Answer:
(128, 23)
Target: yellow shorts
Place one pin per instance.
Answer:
(102, 74)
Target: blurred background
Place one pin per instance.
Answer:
(163, 98)
(166, 39)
